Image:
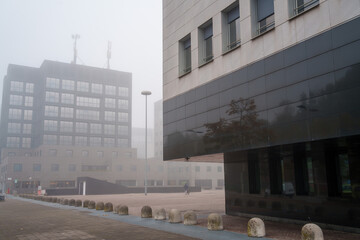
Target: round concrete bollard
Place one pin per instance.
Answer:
(91, 205)
(160, 214)
(49, 199)
(174, 216)
(86, 203)
(256, 228)
(58, 200)
(311, 231)
(66, 202)
(99, 206)
(78, 203)
(108, 207)
(215, 222)
(190, 218)
(123, 210)
(72, 202)
(54, 199)
(146, 212)
(116, 208)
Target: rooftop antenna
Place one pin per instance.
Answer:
(75, 37)
(108, 55)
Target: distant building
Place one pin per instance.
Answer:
(270, 88)
(138, 142)
(62, 121)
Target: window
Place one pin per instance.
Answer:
(29, 101)
(52, 97)
(123, 142)
(262, 16)
(27, 128)
(205, 43)
(88, 102)
(52, 83)
(109, 116)
(50, 139)
(36, 167)
(67, 112)
(51, 111)
(83, 86)
(87, 114)
(297, 7)
(80, 141)
(123, 104)
(219, 169)
(16, 100)
(81, 127)
(13, 142)
(109, 142)
(231, 27)
(50, 125)
(110, 90)
(28, 114)
(16, 86)
(95, 128)
(96, 88)
(122, 117)
(14, 128)
(65, 140)
(95, 141)
(15, 113)
(66, 126)
(84, 153)
(29, 88)
(208, 168)
(68, 84)
(123, 92)
(123, 130)
(67, 98)
(110, 102)
(109, 129)
(185, 55)
(17, 167)
(72, 167)
(55, 167)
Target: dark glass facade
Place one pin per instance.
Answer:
(288, 126)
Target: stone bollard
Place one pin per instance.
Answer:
(174, 216)
(123, 210)
(311, 231)
(49, 199)
(72, 202)
(108, 207)
(160, 214)
(54, 200)
(146, 212)
(86, 203)
(215, 222)
(99, 206)
(91, 205)
(78, 203)
(190, 218)
(66, 202)
(256, 228)
(116, 208)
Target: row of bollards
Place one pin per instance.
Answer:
(255, 226)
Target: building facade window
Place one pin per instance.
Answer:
(123, 142)
(14, 128)
(52, 83)
(80, 141)
(81, 127)
(72, 168)
(68, 84)
(84, 153)
(109, 116)
(208, 168)
(67, 98)
(36, 167)
(15, 113)
(219, 169)
(109, 142)
(29, 88)
(51, 111)
(53, 152)
(87, 114)
(110, 102)
(50, 125)
(52, 97)
(27, 128)
(123, 91)
(16, 86)
(123, 130)
(95, 141)
(87, 102)
(231, 27)
(205, 43)
(66, 112)
(109, 129)
(123, 117)
(28, 114)
(96, 88)
(17, 167)
(297, 7)
(197, 168)
(29, 101)
(100, 154)
(185, 55)
(263, 18)
(110, 90)
(66, 126)
(123, 104)
(95, 128)
(16, 100)
(50, 139)
(13, 142)
(65, 140)
(82, 86)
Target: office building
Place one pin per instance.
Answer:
(270, 88)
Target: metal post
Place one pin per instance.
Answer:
(146, 93)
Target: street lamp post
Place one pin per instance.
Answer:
(145, 93)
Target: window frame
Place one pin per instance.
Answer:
(185, 55)
(226, 28)
(205, 37)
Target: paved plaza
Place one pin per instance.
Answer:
(30, 219)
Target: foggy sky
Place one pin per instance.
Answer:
(32, 31)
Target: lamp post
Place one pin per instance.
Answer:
(145, 93)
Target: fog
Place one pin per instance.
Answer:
(32, 31)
